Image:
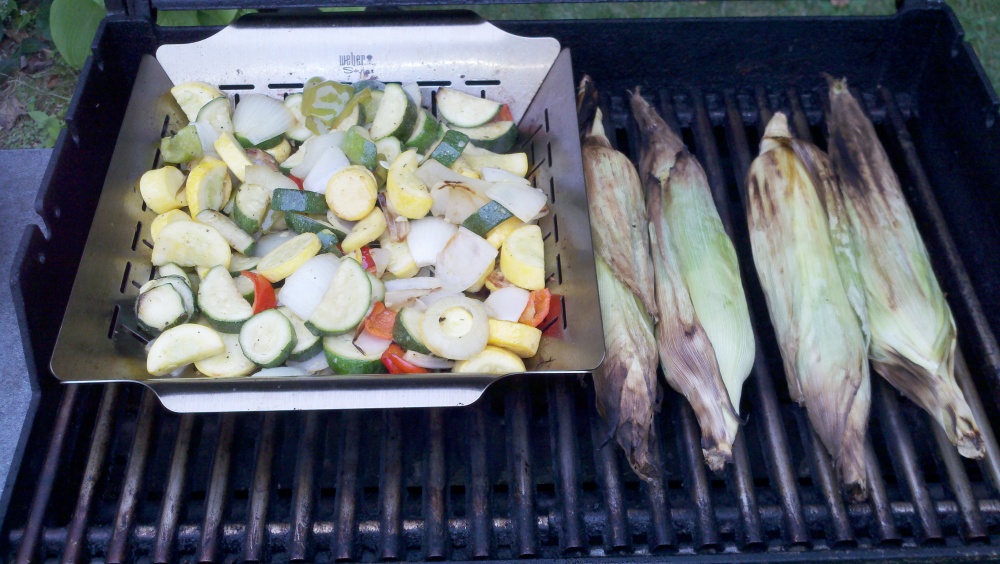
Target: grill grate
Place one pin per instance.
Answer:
(528, 471)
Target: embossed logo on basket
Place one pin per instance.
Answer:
(361, 64)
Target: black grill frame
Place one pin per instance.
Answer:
(528, 470)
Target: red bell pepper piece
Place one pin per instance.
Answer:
(392, 358)
(297, 181)
(380, 321)
(263, 292)
(504, 114)
(539, 302)
(367, 261)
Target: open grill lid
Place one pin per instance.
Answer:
(528, 470)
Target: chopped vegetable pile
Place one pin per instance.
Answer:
(343, 230)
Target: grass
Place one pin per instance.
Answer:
(36, 84)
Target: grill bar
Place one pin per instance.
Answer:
(696, 479)
(305, 475)
(661, 532)
(567, 468)
(884, 522)
(33, 530)
(435, 532)
(215, 503)
(261, 492)
(972, 520)
(92, 472)
(905, 459)
(481, 528)
(609, 479)
(390, 522)
(166, 531)
(347, 487)
(137, 460)
(522, 489)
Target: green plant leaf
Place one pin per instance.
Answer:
(39, 117)
(73, 24)
(183, 18)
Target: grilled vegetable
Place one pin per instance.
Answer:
(626, 381)
(820, 329)
(912, 329)
(705, 337)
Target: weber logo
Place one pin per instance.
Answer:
(362, 64)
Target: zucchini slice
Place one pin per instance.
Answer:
(307, 345)
(406, 331)
(344, 358)
(267, 338)
(426, 131)
(450, 148)
(397, 114)
(302, 201)
(498, 136)
(486, 218)
(465, 110)
(345, 303)
(221, 302)
(251, 205)
(161, 308)
(237, 238)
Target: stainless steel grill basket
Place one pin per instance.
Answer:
(98, 340)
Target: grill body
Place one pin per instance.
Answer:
(528, 472)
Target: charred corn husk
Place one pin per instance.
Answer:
(705, 337)
(625, 383)
(803, 256)
(912, 329)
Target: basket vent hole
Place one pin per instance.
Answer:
(433, 83)
(148, 244)
(285, 86)
(562, 302)
(547, 120)
(163, 130)
(552, 188)
(548, 149)
(555, 230)
(482, 83)
(237, 87)
(559, 267)
(156, 159)
(114, 320)
(128, 270)
(434, 103)
(137, 285)
(135, 237)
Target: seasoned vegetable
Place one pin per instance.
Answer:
(625, 383)
(327, 203)
(791, 207)
(705, 337)
(912, 329)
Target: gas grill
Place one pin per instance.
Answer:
(529, 471)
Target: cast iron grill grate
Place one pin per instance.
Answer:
(527, 472)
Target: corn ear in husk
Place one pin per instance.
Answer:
(705, 336)
(912, 329)
(804, 258)
(625, 384)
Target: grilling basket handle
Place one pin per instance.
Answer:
(99, 339)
